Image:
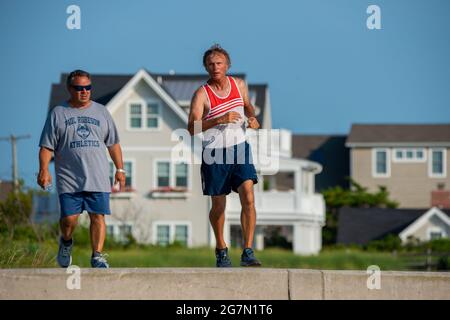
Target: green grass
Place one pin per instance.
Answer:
(32, 255)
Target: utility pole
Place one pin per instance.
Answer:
(15, 171)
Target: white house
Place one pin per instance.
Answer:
(163, 200)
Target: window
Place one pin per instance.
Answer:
(181, 234)
(435, 235)
(163, 174)
(144, 115)
(168, 232)
(152, 115)
(181, 175)
(135, 115)
(163, 235)
(110, 230)
(128, 167)
(409, 155)
(437, 164)
(171, 174)
(125, 231)
(380, 163)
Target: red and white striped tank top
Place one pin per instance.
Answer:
(224, 135)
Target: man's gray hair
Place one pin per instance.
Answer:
(76, 73)
(216, 48)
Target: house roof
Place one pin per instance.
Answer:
(180, 87)
(361, 225)
(328, 150)
(399, 133)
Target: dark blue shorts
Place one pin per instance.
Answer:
(77, 202)
(225, 169)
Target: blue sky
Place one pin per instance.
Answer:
(325, 69)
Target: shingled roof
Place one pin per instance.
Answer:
(330, 152)
(361, 225)
(181, 87)
(398, 133)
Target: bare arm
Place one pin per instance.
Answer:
(198, 107)
(115, 151)
(249, 109)
(44, 177)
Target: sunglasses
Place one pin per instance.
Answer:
(81, 88)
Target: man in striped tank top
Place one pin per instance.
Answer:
(218, 110)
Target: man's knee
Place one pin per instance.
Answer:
(69, 221)
(97, 218)
(248, 202)
(217, 210)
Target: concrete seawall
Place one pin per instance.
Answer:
(211, 283)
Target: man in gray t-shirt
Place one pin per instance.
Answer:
(79, 132)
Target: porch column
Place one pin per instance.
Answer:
(259, 238)
(298, 188)
(307, 238)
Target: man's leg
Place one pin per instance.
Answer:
(97, 231)
(217, 219)
(67, 226)
(248, 213)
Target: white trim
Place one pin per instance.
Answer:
(444, 163)
(412, 228)
(229, 82)
(397, 144)
(172, 224)
(414, 159)
(172, 171)
(144, 115)
(123, 93)
(375, 174)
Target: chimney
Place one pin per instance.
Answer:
(440, 198)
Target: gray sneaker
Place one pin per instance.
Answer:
(64, 257)
(98, 260)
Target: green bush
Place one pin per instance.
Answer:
(389, 243)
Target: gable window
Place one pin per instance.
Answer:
(171, 174)
(409, 155)
(435, 235)
(152, 115)
(380, 163)
(437, 163)
(128, 167)
(143, 115)
(135, 115)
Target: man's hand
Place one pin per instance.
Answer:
(229, 117)
(120, 178)
(253, 123)
(44, 178)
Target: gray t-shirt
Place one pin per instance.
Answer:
(79, 138)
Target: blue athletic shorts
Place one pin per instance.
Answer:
(225, 169)
(77, 202)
